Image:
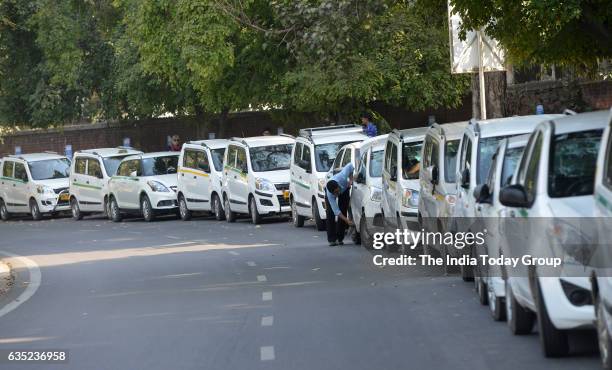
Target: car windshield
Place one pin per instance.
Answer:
(411, 160)
(50, 169)
(488, 146)
(376, 163)
(511, 159)
(111, 164)
(159, 165)
(450, 160)
(271, 157)
(325, 154)
(217, 157)
(571, 171)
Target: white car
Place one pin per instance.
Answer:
(400, 178)
(490, 285)
(477, 146)
(367, 188)
(256, 177)
(144, 185)
(551, 200)
(313, 156)
(200, 178)
(34, 183)
(89, 174)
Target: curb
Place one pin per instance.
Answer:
(6, 278)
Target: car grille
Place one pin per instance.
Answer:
(282, 201)
(283, 186)
(59, 190)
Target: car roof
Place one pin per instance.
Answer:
(451, 131)
(152, 155)
(333, 134)
(506, 126)
(581, 122)
(33, 157)
(376, 142)
(255, 141)
(110, 152)
(411, 134)
(211, 143)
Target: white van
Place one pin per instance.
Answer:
(256, 176)
(313, 156)
(200, 178)
(145, 184)
(89, 174)
(34, 183)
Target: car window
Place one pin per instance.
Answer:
(7, 170)
(80, 165)
(217, 158)
(297, 153)
(491, 175)
(231, 156)
(376, 162)
(241, 159)
(126, 168)
(50, 169)
(466, 153)
(426, 160)
(307, 158)
(338, 161)
(608, 164)
(411, 159)
(190, 159)
(111, 164)
(271, 157)
(94, 169)
(451, 148)
(573, 159)
(531, 173)
(363, 165)
(20, 172)
(202, 161)
(325, 154)
(157, 166)
(387, 155)
(393, 159)
(347, 158)
(511, 159)
(487, 147)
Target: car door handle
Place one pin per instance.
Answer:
(87, 182)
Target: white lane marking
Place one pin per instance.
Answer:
(251, 264)
(34, 283)
(266, 296)
(234, 253)
(267, 353)
(262, 278)
(267, 321)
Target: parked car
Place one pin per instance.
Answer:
(601, 279)
(200, 178)
(89, 174)
(34, 183)
(313, 156)
(490, 285)
(347, 154)
(256, 177)
(476, 148)
(400, 178)
(437, 189)
(144, 185)
(552, 190)
(366, 193)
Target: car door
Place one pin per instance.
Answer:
(462, 192)
(94, 184)
(127, 184)
(188, 177)
(241, 183)
(298, 174)
(427, 188)
(200, 198)
(336, 166)
(360, 188)
(394, 191)
(20, 187)
(7, 185)
(385, 180)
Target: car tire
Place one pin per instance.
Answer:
(554, 341)
(319, 222)
(35, 210)
(255, 216)
(366, 239)
(603, 336)
(146, 209)
(184, 212)
(76, 210)
(230, 216)
(496, 305)
(481, 290)
(4, 213)
(114, 213)
(520, 319)
(298, 221)
(217, 208)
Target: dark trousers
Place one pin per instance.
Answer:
(335, 229)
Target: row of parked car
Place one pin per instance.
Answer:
(439, 178)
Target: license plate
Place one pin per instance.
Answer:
(286, 194)
(64, 197)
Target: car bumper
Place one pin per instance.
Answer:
(409, 218)
(163, 200)
(48, 204)
(563, 314)
(271, 204)
(321, 204)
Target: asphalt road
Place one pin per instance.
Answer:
(211, 295)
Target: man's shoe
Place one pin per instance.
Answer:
(332, 244)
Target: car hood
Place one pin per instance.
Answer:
(275, 177)
(54, 183)
(168, 180)
(582, 206)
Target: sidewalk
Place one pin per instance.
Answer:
(6, 278)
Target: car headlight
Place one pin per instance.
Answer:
(157, 186)
(410, 198)
(44, 190)
(265, 185)
(321, 185)
(375, 194)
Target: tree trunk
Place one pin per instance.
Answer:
(495, 87)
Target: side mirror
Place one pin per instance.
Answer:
(465, 178)
(133, 174)
(514, 196)
(482, 194)
(434, 174)
(360, 179)
(393, 176)
(204, 167)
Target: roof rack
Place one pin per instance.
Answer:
(50, 152)
(398, 133)
(240, 140)
(474, 123)
(569, 112)
(198, 142)
(308, 132)
(287, 135)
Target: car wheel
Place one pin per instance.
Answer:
(496, 305)
(255, 216)
(217, 208)
(184, 212)
(76, 210)
(554, 341)
(230, 216)
(603, 336)
(113, 210)
(319, 223)
(366, 239)
(520, 319)
(146, 209)
(481, 290)
(298, 221)
(4, 213)
(35, 211)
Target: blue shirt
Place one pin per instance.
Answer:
(342, 178)
(370, 129)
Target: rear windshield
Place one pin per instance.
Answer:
(573, 158)
(325, 154)
(217, 157)
(271, 157)
(159, 165)
(488, 146)
(411, 160)
(511, 159)
(50, 169)
(451, 148)
(376, 163)
(111, 164)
